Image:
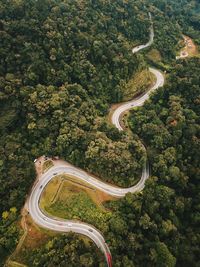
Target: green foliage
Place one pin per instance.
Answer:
(184, 13)
(81, 207)
(53, 85)
(62, 64)
(64, 250)
(162, 256)
(8, 233)
(169, 125)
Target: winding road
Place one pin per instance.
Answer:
(62, 225)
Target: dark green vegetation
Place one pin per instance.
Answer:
(62, 251)
(62, 65)
(185, 13)
(162, 224)
(9, 232)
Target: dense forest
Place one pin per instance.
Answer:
(63, 63)
(184, 14)
(162, 223)
(65, 250)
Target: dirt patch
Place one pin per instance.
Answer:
(104, 197)
(35, 236)
(189, 48)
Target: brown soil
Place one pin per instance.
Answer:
(189, 48)
(104, 197)
(35, 237)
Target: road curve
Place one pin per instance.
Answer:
(137, 101)
(149, 43)
(61, 225)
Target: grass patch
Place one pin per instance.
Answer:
(139, 83)
(75, 200)
(50, 191)
(154, 55)
(15, 264)
(47, 165)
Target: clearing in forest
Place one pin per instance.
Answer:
(69, 198)
(189, 49)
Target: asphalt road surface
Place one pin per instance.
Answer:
(62, 225)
